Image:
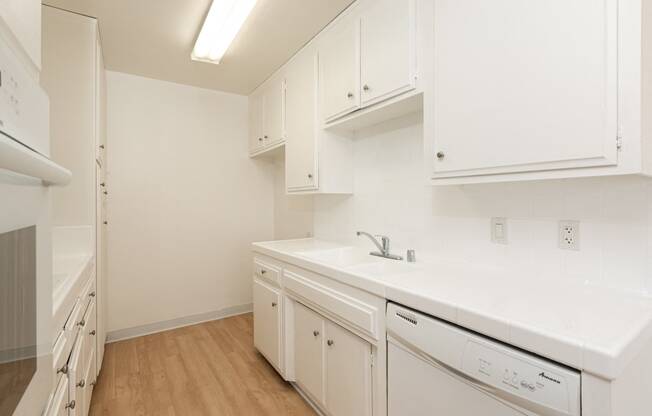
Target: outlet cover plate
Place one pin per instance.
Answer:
(499, 230)
(569, 235)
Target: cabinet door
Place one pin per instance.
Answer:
(339, 70)
(267, 322)
(524, 85)
(274, 113)
(348, 373)
(59, 404)
(309, 352)
(387, 49)
(256, 141)
(300, 145)
(75, 377)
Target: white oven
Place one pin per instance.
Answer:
(26, 174)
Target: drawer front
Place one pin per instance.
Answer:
(267, 271)
(59, 403)
(88, 293)
(331, 302)
(72, 324)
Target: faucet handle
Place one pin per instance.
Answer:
(384, 241)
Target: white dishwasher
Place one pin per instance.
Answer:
(436, 368)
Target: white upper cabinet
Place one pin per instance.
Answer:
(339, 69)
(267, 116)
(256, 141)
(388, 49)
(523, 86)
(23, 19)
(274, 113)
(301, 140)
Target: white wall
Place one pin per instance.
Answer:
(452, 223)
(185, 201)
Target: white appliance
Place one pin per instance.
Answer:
(25, 240)
(436, 368)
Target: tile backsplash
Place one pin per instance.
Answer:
(452, 223)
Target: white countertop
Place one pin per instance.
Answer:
(594, 329)
(70, 272)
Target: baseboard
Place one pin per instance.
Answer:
(139, 331)
(307, 399)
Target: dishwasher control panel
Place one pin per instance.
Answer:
(521, 375)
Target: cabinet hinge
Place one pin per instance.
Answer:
(619, 142)
(373, 359)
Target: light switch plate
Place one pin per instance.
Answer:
(569, 235)
(499, 230)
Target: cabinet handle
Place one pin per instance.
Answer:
(274, 304)
(92, 294)
(63, 370)
(263, 271)
(330, 342)
(315, 333)
(103, 184)
(349, 95)
(81, 383)
(440, 155)
(81, 323)
(92, 332)
(70, 405)
(366, 87)
(101, 146)
(310, 176)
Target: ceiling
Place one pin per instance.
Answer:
(154, 38)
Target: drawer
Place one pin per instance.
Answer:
(71, 327)
(88, 293)
(331, 302)
(267, 271)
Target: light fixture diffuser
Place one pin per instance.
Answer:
(222, 24)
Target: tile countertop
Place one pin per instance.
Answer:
(591, 328)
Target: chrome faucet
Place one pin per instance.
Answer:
(383, 246)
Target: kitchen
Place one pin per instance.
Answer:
(369, 207)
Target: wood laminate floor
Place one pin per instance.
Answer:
(206, 369)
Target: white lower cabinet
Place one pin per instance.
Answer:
(76, 379)
(309, 352)
(59, 405)
(332, 365)
(348, 373)
(267, 322)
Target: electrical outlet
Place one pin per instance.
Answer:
(499, 230)
(569, 235)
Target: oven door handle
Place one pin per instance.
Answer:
(18, 158)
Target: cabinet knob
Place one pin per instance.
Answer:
(101, 146)
(330, 342)
(266, 137)
(366, 87)
(63, 370)
(105, 193)
(92, 332)
(349, 95)
(70, 405)
(92, 294)
(315, 333)
(260, 139)
(103, 184)
(106, 222)
(263, 271)
(274, 304)
(81, 383)
(440, 155)
(81, 323)
(310, 176)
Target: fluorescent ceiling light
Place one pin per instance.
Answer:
(222, 24)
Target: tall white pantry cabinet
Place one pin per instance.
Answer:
(73, 76)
